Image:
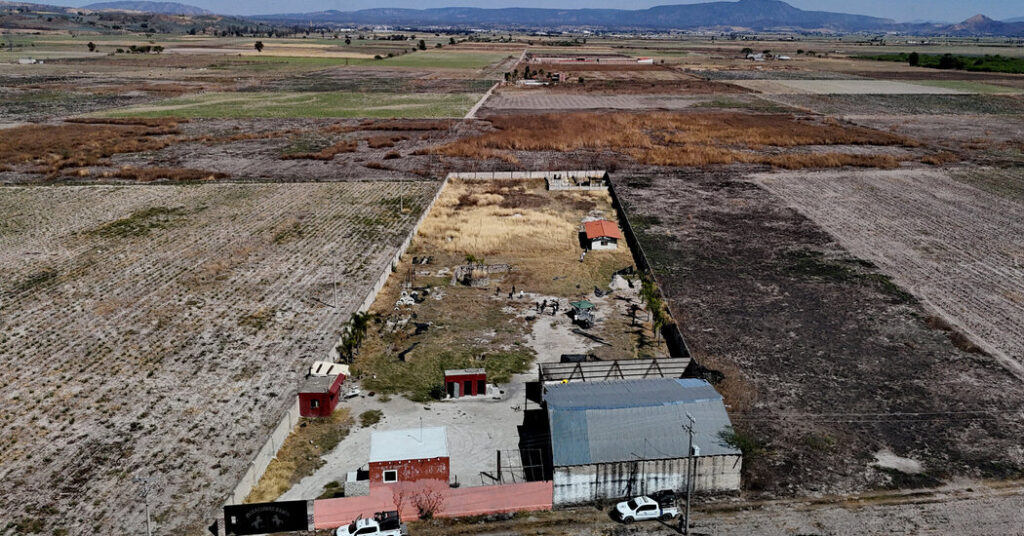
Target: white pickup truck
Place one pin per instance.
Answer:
(382, 524)
(644, 508)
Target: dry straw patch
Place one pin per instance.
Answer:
(466, 220)
(521, 223)
(677, 139)
(51, 148)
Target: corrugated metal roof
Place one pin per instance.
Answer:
(601, 228)
(633, 420)
(409, 444)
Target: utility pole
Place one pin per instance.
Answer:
(146, 482)
(689, 472)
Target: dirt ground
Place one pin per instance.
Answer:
(968, 508)
(831, 362)
(957, 249)
(162, 330)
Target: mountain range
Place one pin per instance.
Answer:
(753, 14)
(163, 8)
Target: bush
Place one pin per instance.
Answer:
(750, 446)
(370, 417)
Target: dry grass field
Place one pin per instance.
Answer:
(162, 330)
(681, 139)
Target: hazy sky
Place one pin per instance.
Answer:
(901, 10)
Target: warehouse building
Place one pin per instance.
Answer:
(624, 438)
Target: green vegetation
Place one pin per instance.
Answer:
(751, 447)
(332, 490)
(422, 379)
(809, 263)
(987, 63)
(37, 279)
(370, 417)
(442, 59)
(967, 86)
(293, 104)
(140, 222)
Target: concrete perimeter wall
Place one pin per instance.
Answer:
(525, 175)
(456, 502)
(607, 481)
(291, 416)
(677, 346)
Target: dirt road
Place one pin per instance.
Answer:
(969, 508)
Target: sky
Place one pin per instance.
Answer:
(900, 10)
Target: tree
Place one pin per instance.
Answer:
(92, 46)
(259, 46)
(158, 49)
(422, 45)
(348, 40)
(451, 40)
(914, 59)
(747, 51)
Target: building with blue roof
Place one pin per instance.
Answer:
(625, 438)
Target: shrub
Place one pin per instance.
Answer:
(370, 417)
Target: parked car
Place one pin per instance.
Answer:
(644, 508)
(382, 524)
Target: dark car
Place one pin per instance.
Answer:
(664, 497)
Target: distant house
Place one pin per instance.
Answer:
(645, 61)
(755, 57)
(409, 455)
(602, 234)
(319, 395)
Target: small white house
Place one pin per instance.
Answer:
(645, 61)
(602, 234)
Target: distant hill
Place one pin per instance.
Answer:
(982, 25)
(163, 8)
(752, 14)
(1016, 19)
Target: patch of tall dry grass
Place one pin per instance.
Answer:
(51, 148)
(664, 138)
(475, 218)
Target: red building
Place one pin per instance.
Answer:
(465, 382)
(318, 395)
(409, 455)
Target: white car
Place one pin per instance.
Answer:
(642, 509)
(382, 524)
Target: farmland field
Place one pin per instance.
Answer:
(958, 249)
(162, 330)
(311, 104)
(845, 87)
(828, 362)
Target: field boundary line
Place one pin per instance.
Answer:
(471, 114)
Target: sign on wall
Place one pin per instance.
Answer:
(263, 518)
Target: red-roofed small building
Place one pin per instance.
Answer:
(602, 234)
